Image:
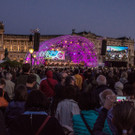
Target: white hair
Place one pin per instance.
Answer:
(101, 80)
(8, 76)
(105, 93)
(124, 75)
(118, 85)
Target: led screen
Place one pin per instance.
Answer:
(57, 55)
(118, 53)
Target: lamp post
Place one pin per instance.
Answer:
(31, 52)
(34, 58)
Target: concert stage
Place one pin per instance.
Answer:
(68, 50)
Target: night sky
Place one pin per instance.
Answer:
(109, 18)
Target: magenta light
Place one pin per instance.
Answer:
(77, 49)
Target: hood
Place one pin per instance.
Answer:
(49, 74)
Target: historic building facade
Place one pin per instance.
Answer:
(123, 41)
(19, 45)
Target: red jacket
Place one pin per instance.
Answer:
(47, 86)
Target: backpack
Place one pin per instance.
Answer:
(3, 101)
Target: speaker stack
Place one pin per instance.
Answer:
(103, 50)
(36, 41)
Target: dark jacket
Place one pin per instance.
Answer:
(101, 88)
(29, 89)
(99, 125)
(22, 79)
(98, 90)
(28, 124)
(14, 110)
(2, 125)
(47, 86)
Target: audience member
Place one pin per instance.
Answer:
(16, 107)
(9, 87)
(47, 86)
(68, 107)
(118, 88)
(83, 123)
(31, 83)
(35, 119)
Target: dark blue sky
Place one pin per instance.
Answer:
(112, 18)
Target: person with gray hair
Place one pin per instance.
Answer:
(104, 94)
(101, 80)
(118, 88)
(9, 88)
(103, 97)
(102, 85)
(124, 77)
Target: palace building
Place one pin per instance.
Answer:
(19, 45)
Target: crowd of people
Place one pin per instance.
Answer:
(67, 101)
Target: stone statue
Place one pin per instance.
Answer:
(6, 53)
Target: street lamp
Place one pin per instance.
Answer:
(31, 50)
(34, 58)
(34, 55)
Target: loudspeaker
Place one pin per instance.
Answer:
(36, 41)
(103, 50)
(30, 38)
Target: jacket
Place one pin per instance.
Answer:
(2, 125)
(65, 111)
(29, 123)
(99, 125)
(10, 89)
(47, 86)
(90, 117)
(14, 110)
(22, 79)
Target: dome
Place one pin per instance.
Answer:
(76, 49)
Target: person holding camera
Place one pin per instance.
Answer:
(123, 117)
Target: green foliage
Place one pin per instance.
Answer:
(11, 64)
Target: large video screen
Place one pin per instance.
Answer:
(117, 53)
(50, 54)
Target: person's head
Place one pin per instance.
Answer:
(128, 90)
(8, 76)
(21, 93)
(49, 74)
(76, 71)
(31, 80)
(124, 75)
(70, 92)
(123, 117)
(63, 77)
(118, 85)
(36, 101)
(110, 74)
(69, 81)
(87, 101)
(104, 94)
(2, 83)
(26, 68)
(101, 80)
